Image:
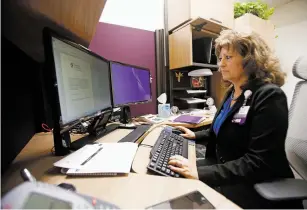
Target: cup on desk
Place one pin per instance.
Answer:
(164, 110)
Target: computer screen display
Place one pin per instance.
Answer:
(83, 81)
(130, 84)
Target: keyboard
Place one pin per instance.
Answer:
(167, 145)
(136, 134)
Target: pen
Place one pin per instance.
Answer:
(93, 155)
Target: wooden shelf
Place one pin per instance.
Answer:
(191, 100)
(193, 27)
(181, 46)
(188, 88)
(219, 12)
(202, 26)
(196, 66)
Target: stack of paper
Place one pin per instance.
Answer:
(100, 159)
(154, 119)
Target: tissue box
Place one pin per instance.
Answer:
(164, 110)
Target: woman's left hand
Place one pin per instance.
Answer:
(182, 166)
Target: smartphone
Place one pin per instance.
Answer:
(192, 200)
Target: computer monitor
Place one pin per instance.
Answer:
(79, 83)
(130, 84)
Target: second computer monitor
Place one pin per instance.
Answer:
(130, 84)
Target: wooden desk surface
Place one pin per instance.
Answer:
(140, 191)
(37, 157)
(169, 121)
(128, 191)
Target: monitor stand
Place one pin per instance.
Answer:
(97, 129)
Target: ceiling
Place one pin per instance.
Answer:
(272, 3)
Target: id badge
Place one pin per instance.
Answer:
(240, 116)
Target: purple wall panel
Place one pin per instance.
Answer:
(131, 46)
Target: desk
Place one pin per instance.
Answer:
(169, 121)
(126, 191)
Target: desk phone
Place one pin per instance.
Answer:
(39, 195)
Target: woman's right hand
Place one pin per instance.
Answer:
(187, 132)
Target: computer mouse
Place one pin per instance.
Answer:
(68, 186)
(176, 131)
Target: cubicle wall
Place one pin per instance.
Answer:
(131, 46)
(20, 104)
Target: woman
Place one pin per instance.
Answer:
(245, 144)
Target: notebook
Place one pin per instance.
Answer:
(189, 119)
(99, 159)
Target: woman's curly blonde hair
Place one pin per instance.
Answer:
(258, 60)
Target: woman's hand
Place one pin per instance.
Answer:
(187, 132)
(182, 166)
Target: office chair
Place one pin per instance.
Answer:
(296, 145)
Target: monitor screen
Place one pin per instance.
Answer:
(83, 81)
(130, 84)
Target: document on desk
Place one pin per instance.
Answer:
(100, 158)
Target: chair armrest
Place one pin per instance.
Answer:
(283, 189)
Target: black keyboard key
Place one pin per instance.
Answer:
(168, 144)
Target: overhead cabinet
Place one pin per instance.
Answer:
(220, 12)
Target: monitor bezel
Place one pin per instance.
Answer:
(50, 72)
(134, 66)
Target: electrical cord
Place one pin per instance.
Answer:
(81, 128)
(46, 127)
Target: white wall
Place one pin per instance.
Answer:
(141, 14)
(291, 27)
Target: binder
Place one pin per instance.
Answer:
(189, 119)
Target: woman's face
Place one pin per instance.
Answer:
(230, 64)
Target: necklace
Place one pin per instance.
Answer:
(232, 97)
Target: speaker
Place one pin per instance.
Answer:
(125, 114)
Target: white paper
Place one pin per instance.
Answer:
(77, 81)
(104, 158)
